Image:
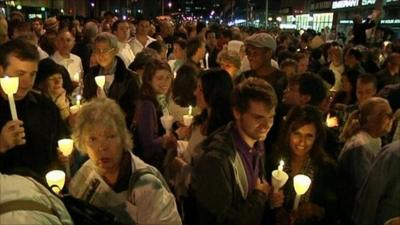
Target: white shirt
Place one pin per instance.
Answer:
(42, 54)
(126, 53)
(337, 70)
(73, 64)
(137, 46)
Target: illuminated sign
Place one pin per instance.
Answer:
(390, 21)
(344, 4)
(387, 21)
(371, 2)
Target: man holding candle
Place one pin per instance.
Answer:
(228, 181)
(30, 142)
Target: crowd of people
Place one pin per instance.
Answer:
(191, 119)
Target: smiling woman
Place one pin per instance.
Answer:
(302, 138)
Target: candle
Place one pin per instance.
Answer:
(331, 121)
(101, 81)
(280, 167)
(207, 60)
(190, 110)
(78, 100)
(279, 177)
(187, 119)
(167, 121)
(10, 87)
(56, 180)
(301, 184)
(76, 77)
(66, 146)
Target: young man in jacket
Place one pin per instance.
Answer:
(228, 181)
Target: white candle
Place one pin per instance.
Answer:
(280, 167)
(301, 184)
(188, 119)
(76, 77)
(190, 110)
(167, 121)
(66, 146)
(101, 81)
(207, 60)
(331, 121)
(56, 180)
(78, 100)
(10, 87)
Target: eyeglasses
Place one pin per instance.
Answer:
(102, 51)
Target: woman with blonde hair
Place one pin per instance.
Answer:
(114, 178)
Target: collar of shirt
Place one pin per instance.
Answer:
(243, 147)
(112, 70)
(60, 59)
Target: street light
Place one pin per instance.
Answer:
(19, 7)
(169, 5)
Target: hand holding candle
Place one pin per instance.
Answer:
(10, 87)
(301, 184)
(207, 55)
(279, 177)
(66, 146)
(188, 119)
(101, 81)
(167, 121)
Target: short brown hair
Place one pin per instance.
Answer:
(253, 89)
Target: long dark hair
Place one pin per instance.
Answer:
(146, 91)
(217, 89)
(298, 117)
(184, 86)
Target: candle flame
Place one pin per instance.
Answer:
(190, 110)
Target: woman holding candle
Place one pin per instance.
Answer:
(300, 147)
(152, 141)
(111, 178)
(49, 81)
(183, 92)
(213, 97)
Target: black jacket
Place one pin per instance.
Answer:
(124, 89)
(216, 187)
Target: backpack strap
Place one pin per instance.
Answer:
(28, 205)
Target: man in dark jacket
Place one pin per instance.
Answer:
(228, 182)
(28, 143)
(121, 84)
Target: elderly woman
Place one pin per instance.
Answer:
(121, 84)
(113, 178)
(230, 61)
(301, 148)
